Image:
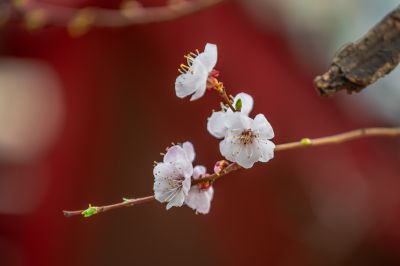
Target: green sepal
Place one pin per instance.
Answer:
(238, 105)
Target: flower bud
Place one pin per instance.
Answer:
(220, 166)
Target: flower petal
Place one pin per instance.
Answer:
(263, 127)
(164, 195)
(165, 181)
(199, 200)
(209, 57)
(216, 124)
(199, 171)
(186, 184)
(184, 168)
(172, 178)
(193, 81)
(186, 84)
(175, 154)
(177, 200)
(200, 91)
(162, 170)
(229, 149)
(237, 122)
(189, 150)
(267, 150)
(245, 157)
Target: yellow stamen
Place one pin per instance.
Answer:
(189, 60)
(185, 67)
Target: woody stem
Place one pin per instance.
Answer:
(334, 139)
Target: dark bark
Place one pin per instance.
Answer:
(362, 63)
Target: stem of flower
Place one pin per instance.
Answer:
(219, 87)
(125, 203)
(225, 96)
(303, 143)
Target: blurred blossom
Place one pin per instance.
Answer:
(30, 109)
(30, 118)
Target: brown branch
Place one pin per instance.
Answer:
(130, 14)
(334, 139)
(221, 90)
(362, 63)
(125, 203)
(342, 137)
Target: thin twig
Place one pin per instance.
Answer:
(342, 137)
(334, 139)
(125, 203)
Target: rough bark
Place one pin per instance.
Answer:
(362, 63)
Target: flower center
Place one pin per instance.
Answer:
(184, 68)
(246, 137)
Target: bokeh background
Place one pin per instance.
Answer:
(82, 120)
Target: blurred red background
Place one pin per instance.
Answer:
(336, 205)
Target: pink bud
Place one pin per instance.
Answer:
(220, 166)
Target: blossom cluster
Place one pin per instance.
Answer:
(173, 180)
(244, 140)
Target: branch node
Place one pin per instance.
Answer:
(305, 141)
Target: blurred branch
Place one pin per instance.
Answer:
(303, 143)
(362, 63)
(39, 14)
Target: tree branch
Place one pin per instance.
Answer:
(362, 63)
(303, 143)
(125, 203)
(131, 13)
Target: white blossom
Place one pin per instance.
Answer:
(247, 140)
(216, 122)
(199, 198)
(172, 177)
(195, 74)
